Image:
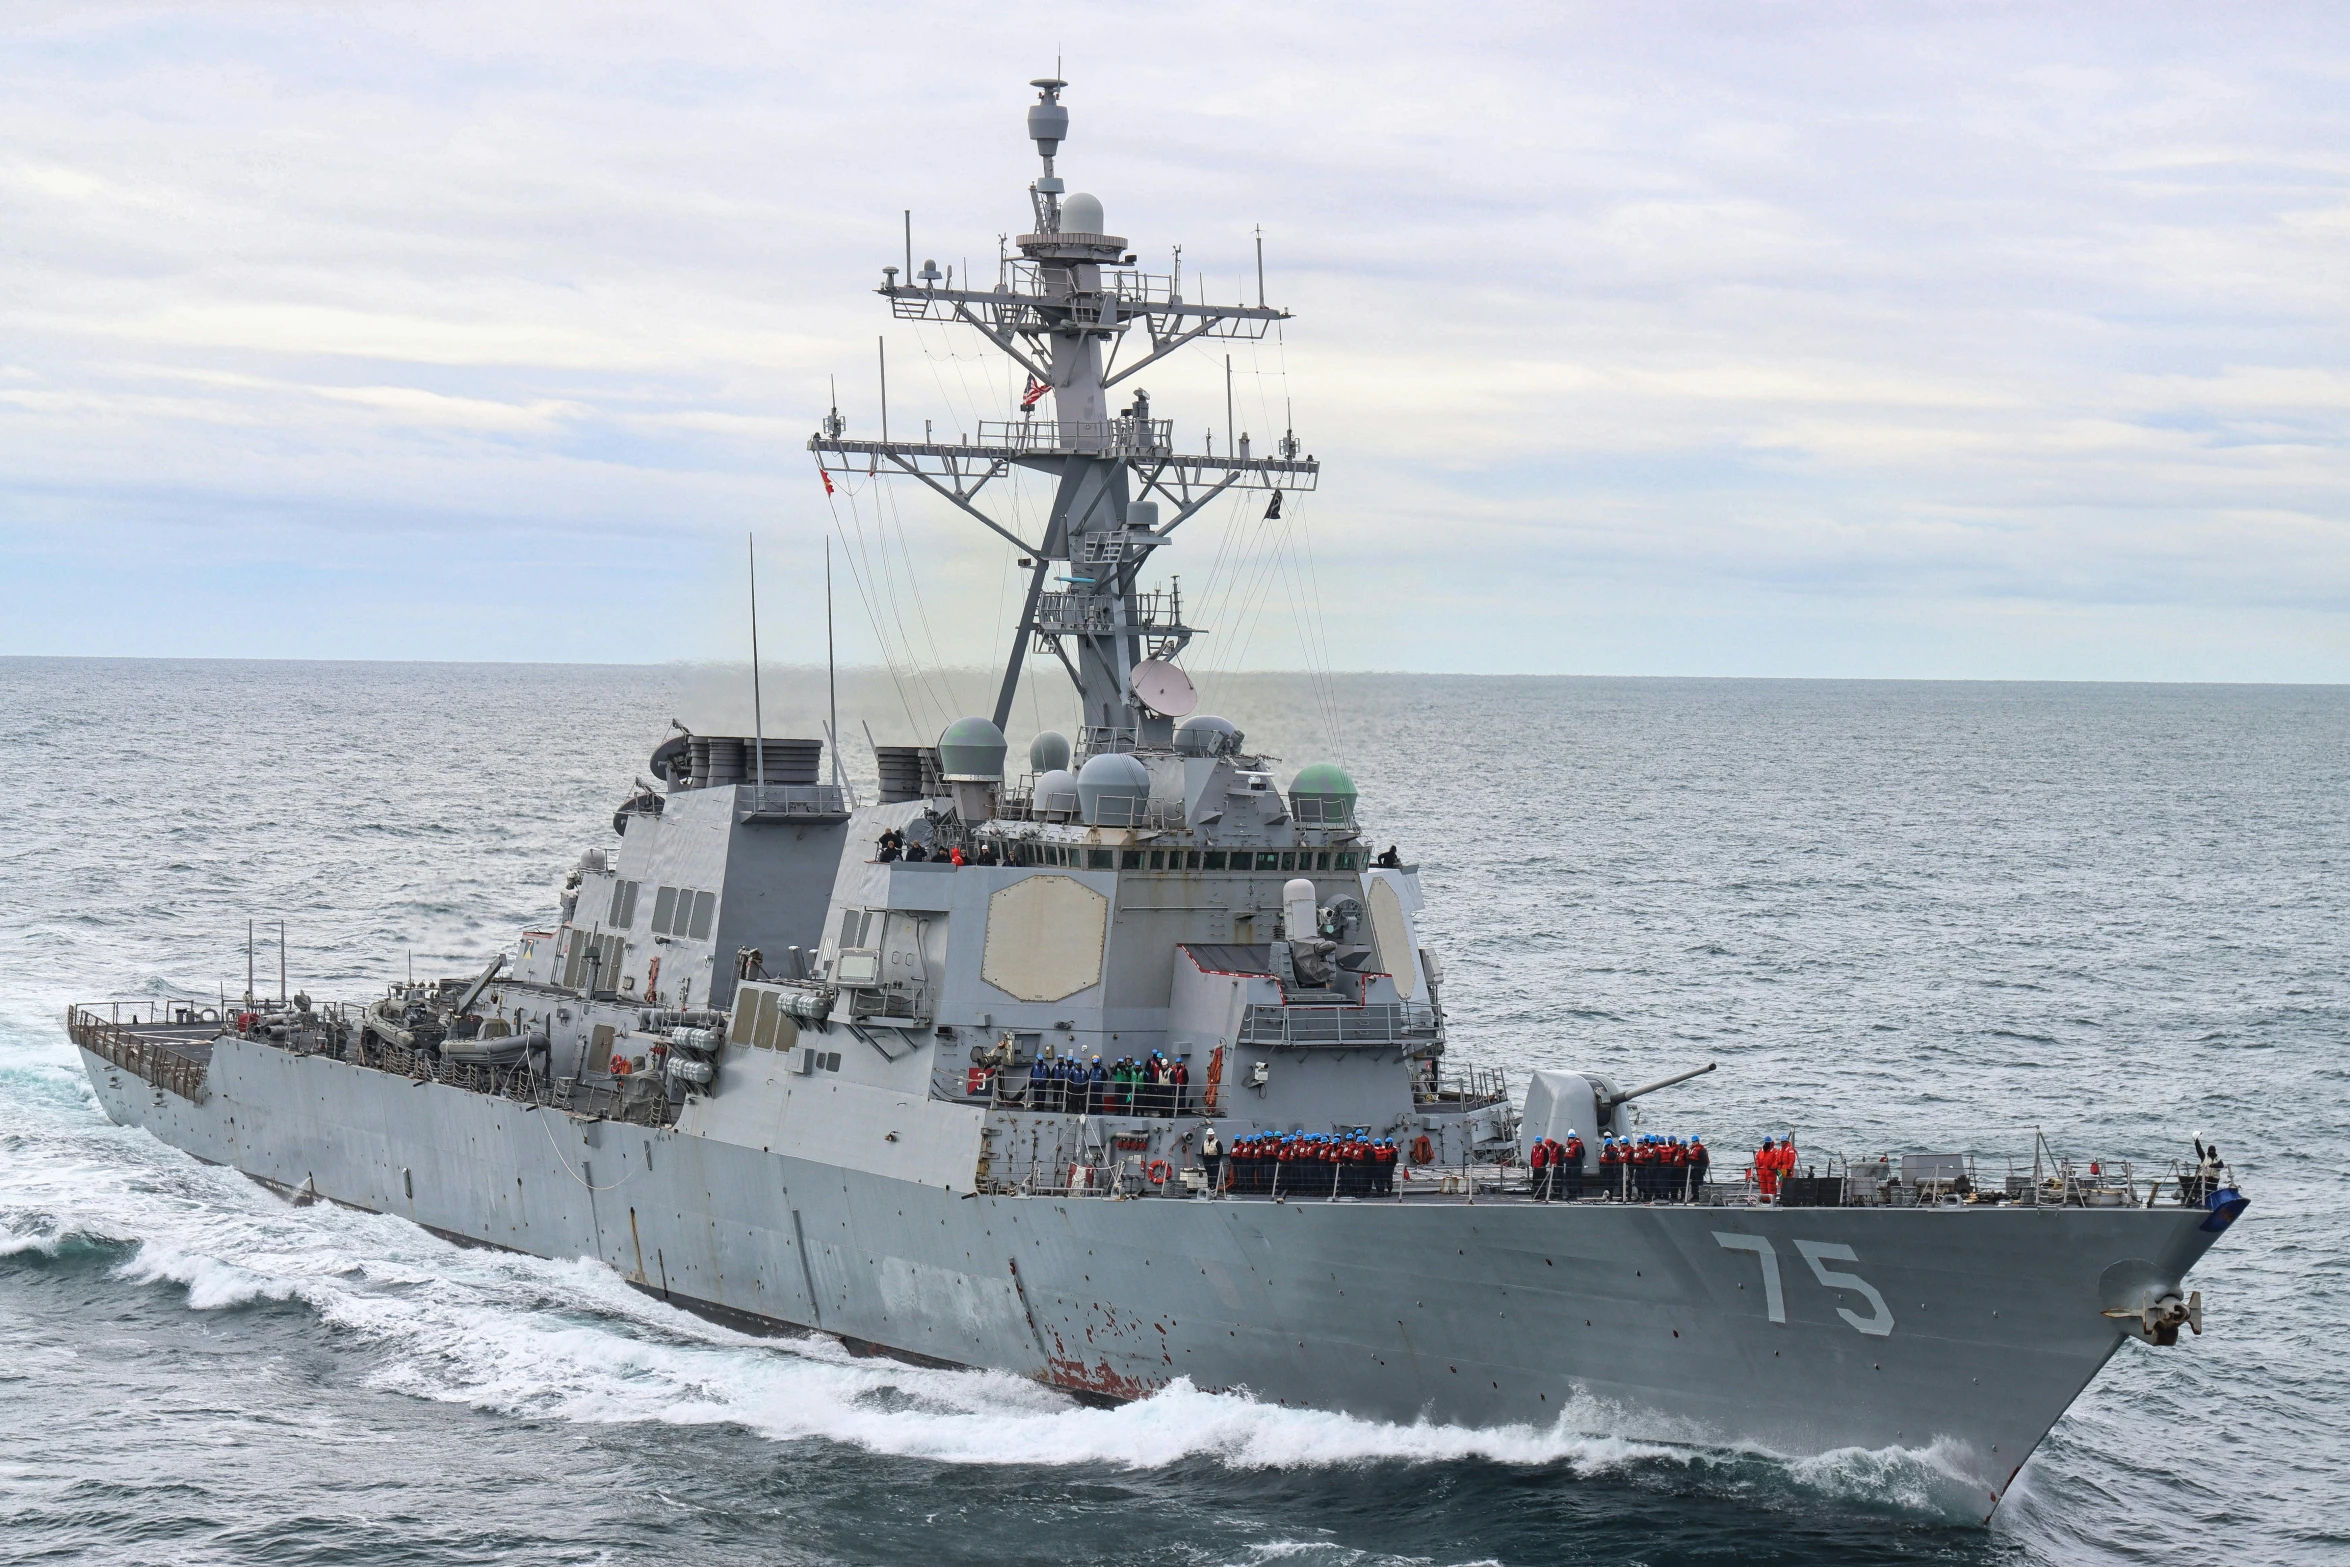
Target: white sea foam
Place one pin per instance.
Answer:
(212, 1284)
(1932, 1479)
(45, 1242)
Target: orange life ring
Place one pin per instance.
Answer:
(620, 1066)
(1423, 1151)
(1158, 1170)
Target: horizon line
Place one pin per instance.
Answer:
(884, 670)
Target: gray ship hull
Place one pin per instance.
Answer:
(1965, 1333)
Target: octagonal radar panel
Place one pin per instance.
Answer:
(1164, 689)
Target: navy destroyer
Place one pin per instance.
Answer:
(807, 1061)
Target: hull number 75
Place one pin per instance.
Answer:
(1818, 1254)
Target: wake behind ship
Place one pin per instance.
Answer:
(801, 1060)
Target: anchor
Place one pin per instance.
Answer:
(2159, 1321)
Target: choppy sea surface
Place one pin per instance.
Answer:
(1901, 916)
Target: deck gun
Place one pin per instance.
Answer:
(1609, 1100)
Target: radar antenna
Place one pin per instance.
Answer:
(1063, 309)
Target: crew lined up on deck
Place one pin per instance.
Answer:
(1558, 1168)
(1313, 1164)
(893, 846)
(1155, 1085)
(1653, 1168)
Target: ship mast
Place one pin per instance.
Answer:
(1063, 310)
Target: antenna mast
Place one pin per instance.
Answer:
(1064, 310)
(831, 671)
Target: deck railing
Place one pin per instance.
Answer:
(792, 802)
(1471, 1088)
(151, 1060)
(637, 1100)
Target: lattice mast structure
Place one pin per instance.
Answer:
(1062, 310)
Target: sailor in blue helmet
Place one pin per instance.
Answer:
(1097, 1087)
(1569, 1173)
(1288, 1166)
(1039, 1073)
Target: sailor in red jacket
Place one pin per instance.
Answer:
(1570, 1167)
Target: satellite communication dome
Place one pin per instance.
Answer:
(1056, 794)
(1081, 214)
(1112, 789)
(1048, 752)
(971, 751)
(1321, 794)
(1208, 735)
(1164, 689)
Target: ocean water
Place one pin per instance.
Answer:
(1900, 916)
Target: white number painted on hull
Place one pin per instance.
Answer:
(1817, 1254)
(1774, 1299)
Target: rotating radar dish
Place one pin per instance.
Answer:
(1164, 689)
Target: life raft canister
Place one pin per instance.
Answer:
(1423, 1151)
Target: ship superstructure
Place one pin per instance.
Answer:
(808, 1061)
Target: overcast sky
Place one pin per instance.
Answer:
(1867, 340)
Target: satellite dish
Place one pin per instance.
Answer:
(1164, 689)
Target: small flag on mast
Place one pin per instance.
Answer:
(827, 476)
(1274, 510)
(1035, 394)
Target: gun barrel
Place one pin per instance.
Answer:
(1662, 1082)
